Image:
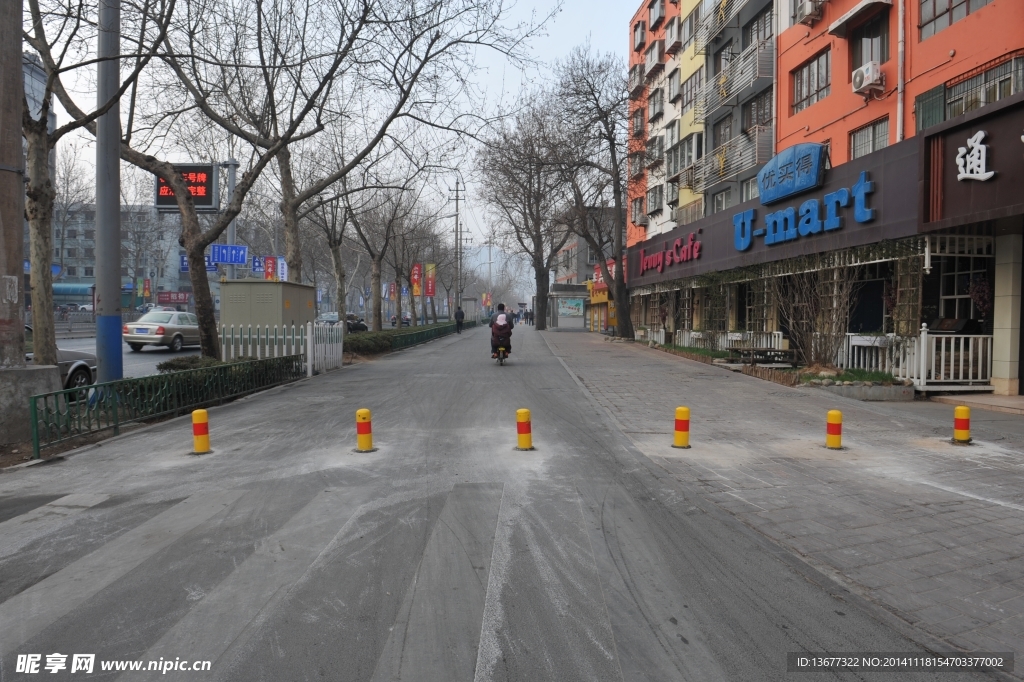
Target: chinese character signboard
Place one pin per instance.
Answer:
(417, 279)
(430, 279)
(257, 265)
(282, 269)
(269, 267)
(794, 170)
(210, 265)
(172, 297)
(391, 291)
(229, 254)
(145, 288)
(201, 182)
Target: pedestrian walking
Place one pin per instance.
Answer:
(459, 317)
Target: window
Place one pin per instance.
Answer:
(939, 14)
(72, 234)
(637, 210)
(655, 198)
(690, 88)
(124, 272)
(691, 149)
(88, 272)
(56, 253)
(722, 58)
(749, 190)
(72, 271)
(72, 253)
(758, 111)
(673, 85)
(90, 252)
(638, 122)
(90, 234)
(639, 35)
(655, 150)
(656, 12)
(672, 193)
(870, 138)
(985, 88)
(869, 42)
(812, 81)
(954, 290)
(688, 27)
(655, 104)
(760, 28)
(672, 133)
(591, 255)
(722, 200)
(722, 131)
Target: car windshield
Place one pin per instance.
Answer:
(160, 318)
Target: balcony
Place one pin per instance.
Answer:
(673, 36)
(636, 81)
(674, 161)
(655, 151)
(656, 13)
(739, 154)
(757, 61)
(714, 21)
(653, 58)
(690, 213)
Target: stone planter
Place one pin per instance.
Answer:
(873, 393)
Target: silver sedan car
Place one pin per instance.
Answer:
(162, 328)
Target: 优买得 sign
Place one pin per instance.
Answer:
(795, 170)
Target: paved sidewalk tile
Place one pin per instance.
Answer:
(932, 532)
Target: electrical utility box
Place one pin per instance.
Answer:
(245, 302)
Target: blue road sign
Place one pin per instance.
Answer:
(229, 254)
(183, 266)
(257, 264)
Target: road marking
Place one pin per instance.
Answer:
(22, 529)
(226, 617)
(28, 613)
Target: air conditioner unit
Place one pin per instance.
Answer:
(867, 78)
(643, 220)
(807, 12)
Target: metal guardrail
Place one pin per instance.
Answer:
(757, 61)
(412, 338)
(63, 415)
(716, 15)
(741, 153)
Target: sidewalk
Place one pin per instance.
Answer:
(1009, 404)
(932, 532)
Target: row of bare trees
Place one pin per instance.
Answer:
(555, 169)
(343, 113)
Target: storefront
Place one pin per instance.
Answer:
(600, 309)
(887, 262)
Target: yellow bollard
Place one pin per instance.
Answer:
(682, 437)
(364, 431)
(962, 425)
(200, 432)
(524, 429)
(834, 430)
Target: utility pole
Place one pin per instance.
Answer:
(12, 190)
(108, 204)
(232, 166)
(458, 248)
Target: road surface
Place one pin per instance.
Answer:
(138, 364)
(444, 556)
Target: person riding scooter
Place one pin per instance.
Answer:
(501, 331)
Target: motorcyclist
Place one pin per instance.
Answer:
(501, 330)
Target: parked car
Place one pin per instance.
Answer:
(86, 308)
(354, 323)
(327, 319)
(162, 328)
(77, 368)
(406, 320)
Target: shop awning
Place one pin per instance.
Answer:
(68, 289)
(838, 27)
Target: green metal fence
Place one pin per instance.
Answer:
(64, 415)
(411, 338)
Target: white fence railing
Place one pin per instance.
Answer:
(726, 340)
(327, 345)
(948, 360)
(322, 344)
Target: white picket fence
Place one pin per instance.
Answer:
(949, 359)
(320, 346)
(726, 340)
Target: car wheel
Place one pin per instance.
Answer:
(135, 346)
(80, 378)
(176, 344)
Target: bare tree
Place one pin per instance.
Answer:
(71, 192)
(522, 183)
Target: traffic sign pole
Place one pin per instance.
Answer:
(232, 165)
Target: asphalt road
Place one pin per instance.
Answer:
(138, 364)
(444, 556)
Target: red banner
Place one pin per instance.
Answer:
(417, 279)
(269, 267)
(430, 279)
(174, 297)
(146, 291)
(391, 290)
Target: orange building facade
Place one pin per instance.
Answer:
(836, 39)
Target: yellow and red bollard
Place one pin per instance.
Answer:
(200, 432)
(961, 425)
(834, 430)
(525, 430)
(364, 431)
(682, 434)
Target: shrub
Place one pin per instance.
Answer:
(186, 362)
(369, 343)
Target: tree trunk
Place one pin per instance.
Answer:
(39, 197)
(375, 294)
(339, 284)
(415, 321)
(398, 301)
(543, 279)
(289, 212)
(433, 311)
(209, 339)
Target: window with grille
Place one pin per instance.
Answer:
(636, 210)
(870, 41)
(722, 131)
(939, 14)
(870, 138)
(991, 86)
(758, 111)
(812, 81)
(760, 28)
(655, 198)
(954, 289)
(672, 133)
(673, 85)
(639, 35)
(638, 123)
(655, 104)
(689, 89)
